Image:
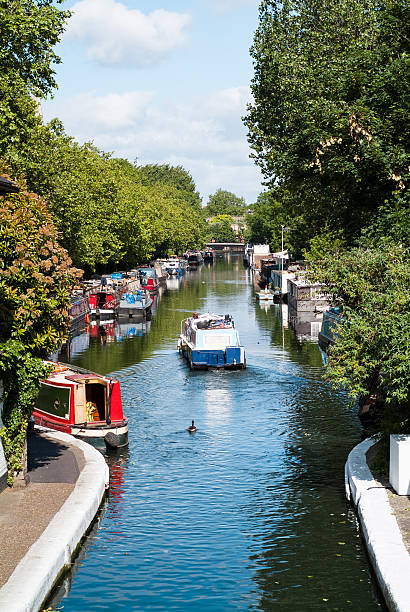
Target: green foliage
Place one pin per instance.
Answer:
(21, 374)
(29, 30)
(106, 210)
(329, 122)
(220, 230)
(176, 176)
(324, 245)
(36, 279)
(265, 220)
(224, 203)
(374, 287)
(36, 276)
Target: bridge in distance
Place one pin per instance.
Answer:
(231, 247)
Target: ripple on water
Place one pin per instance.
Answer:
(247, 513)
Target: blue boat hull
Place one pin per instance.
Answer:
(230, 358)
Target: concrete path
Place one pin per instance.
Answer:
(42, 524)
(378, 509)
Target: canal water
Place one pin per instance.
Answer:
(249, 512)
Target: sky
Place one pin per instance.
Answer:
(162, 81)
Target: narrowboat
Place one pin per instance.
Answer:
(265, 296)
(211, 341)
(328, 332)
(135, 305)
(78, 309)
(148, 279)
(209, 256)
(195, 260)
(84, 404)
(104, 303)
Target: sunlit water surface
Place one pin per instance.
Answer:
(248, 513)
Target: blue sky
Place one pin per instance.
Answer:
(163, 82)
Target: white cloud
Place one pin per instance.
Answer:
(225, 6)
(114, 34)
(206, 136)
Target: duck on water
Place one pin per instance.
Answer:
(192, 428)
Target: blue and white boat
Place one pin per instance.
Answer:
(211, 341)
(174, 267)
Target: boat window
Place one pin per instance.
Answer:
(217, 340)
(54, 400)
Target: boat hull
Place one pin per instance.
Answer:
(92, 433)
(97, 436)
(232, 358)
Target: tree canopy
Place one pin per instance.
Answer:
(224, 203)
(220, 229)
(107, 212)
(28, 33)
(329, 120)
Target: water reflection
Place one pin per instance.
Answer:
(218, 405)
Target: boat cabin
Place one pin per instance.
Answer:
(102, 300)
(70, 397)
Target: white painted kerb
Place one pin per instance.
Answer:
(382, 536)
(34, 577)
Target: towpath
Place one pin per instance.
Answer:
(53, 470)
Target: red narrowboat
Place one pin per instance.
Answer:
(104, 304)
(148, 279)
(84, 404)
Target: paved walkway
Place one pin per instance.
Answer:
(53, 469)
(399, 504)
(384, 518)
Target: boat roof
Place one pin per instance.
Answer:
(65, 373)
(210, 320)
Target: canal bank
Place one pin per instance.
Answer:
(387, 541)
(44, 522)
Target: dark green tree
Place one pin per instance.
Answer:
(329, 120)
(36, 279)
(220, 229)
(28, 32)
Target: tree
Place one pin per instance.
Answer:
(177, 176)
(372, 285)
(329, 118)
(36, 278)
(224, 203)
(29, 30)
(265, 220)
(220, 229)
(111, 215)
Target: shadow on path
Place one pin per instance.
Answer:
(50, 461)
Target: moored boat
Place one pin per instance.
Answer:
(174, 266)
(209, 256)
(265, 295)
(135, 305)
(211, 341)
(104, 303)
(328, 331)
(148, 279)
(78, 310)
(84, 404)
(195, 259)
